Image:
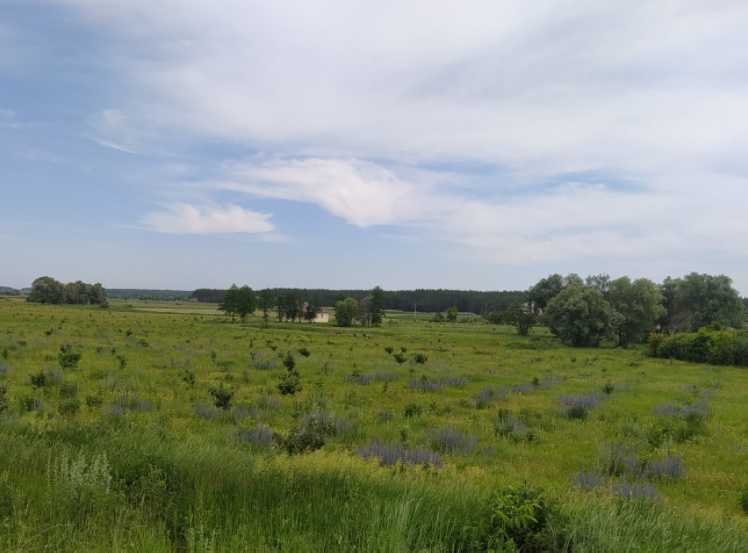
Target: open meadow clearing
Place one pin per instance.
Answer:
(171, 432)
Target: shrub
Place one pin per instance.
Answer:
(412, 410)
(262, 363)
(260, 436)
(389, 350)
(68, 390)
(290, 383)
(221, 397)
(29, 404)
(744, 500)
(304, 352)
(313, 431)
(70, 407)
(420, 358)
(522, 519)
(589, 480)
(400, 358)
(207, 412)
(389, 455)
(289, 362)
(578, 407)
(92, 402)
(67, 358)
(506, 425)
(668, 467)
(451, 440)
(636, 491)
(708, 345)
(3, 399)
(38, 380)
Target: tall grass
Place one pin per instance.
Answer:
(100, 488)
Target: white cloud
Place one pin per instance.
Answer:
(188, 219)
(648, 93)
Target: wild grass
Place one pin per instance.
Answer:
(133, 456)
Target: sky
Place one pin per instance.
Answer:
(347, 144)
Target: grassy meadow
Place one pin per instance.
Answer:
(396, 441)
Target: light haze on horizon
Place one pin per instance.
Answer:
(342, 144)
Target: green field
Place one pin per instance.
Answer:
(127, 452)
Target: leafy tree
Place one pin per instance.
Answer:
(266, 302)
(601, 282)
(699, 300)
(346, 311)
(544, 291)
(376, 306)
(230, 304)
(46, 290)
(311, 310)
(246, 302)
(639, 305)
(290, 307)
(580, 316)
(522, 317)
(452, 314)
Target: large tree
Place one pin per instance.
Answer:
(230, 304)
(246, 302)
(346, 311)
(699, 300)
(580, 316)
(46, 290)
(544, 291)
(639, 305)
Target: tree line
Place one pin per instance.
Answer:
(292, 306)
(48, 290)
(585, 312)
(430, 301)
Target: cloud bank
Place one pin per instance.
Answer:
(523, 132)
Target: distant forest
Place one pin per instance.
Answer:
(135, 294)
(468, 301)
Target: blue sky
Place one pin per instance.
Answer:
(178, 144)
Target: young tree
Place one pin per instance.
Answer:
(311, 310)
(346, 311)
(522, 317)
(639, 304)
(376, 306)
(580, 316)
(452, 314)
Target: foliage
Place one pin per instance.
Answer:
(67, 357)
(239, 301)
(346, 311)
(522, 520)
(718, 347)
(221, 397)
(699, 300)
(639, 305)
(452, 314)
(521, 317)
(48, 290)
(580, 316)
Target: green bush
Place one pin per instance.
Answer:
(744, 500)
(521, 519)
(719, 347)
